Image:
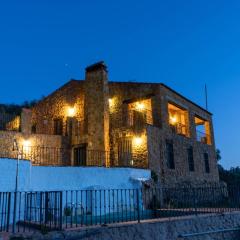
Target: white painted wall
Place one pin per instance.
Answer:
(34, 178)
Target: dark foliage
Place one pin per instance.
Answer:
(16, 108)
(231, 176)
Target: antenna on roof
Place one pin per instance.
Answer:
(206, 96)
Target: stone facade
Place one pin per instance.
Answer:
(127, 124)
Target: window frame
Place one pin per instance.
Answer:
(58, 128)
(206, 162)
(170, 155)
(190, 157)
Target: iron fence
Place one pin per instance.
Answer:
(57, 210)
(137, 119)
(54, 156)
(39, 155)
(179, 128)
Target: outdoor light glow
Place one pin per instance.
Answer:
(110, 101)
(173, 119)
(137, 141)
(140, 106)
(26, 143)
(71, 112)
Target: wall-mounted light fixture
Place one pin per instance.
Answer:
(140, 106)
(173, 119)
(26, 143)
(137, 141)
(71, 111)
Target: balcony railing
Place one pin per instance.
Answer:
(83, 157)
(52, 156)
(9, 122)
(203, 137)
(137, 119)
(179, 128)
(40, 155)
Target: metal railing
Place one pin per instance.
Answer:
(9, 122)
(77, 208)
(39, 155)
(91, 158)
(138, 119)
(203, 137)
(179, 128)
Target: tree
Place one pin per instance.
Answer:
(231, 176)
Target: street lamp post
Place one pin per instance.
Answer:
(16, 148)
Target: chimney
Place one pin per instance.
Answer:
(97, 108)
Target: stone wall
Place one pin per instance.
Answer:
(57, 105)
(159, 230)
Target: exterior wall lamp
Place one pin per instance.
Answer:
(173, 120)
(137, 141)
(71, 111)
(140, 106)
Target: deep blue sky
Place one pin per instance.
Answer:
(183, 44)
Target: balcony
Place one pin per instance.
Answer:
(179, 128)
(178, 119)
(203, 130)
(203, 137)
(137, 119)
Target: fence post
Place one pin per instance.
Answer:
(195, 200)
(138, 206)
(14, 212)
(61, 209)
(8, 211)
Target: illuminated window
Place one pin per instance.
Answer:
(202, 130)
(178, 119)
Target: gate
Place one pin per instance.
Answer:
(43, 209)
(125, 152)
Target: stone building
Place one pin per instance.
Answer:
(96, 122)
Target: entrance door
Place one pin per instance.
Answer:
(80, 155)
(125, 152)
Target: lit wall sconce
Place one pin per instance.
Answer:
(71, 111)
(140, 106)
(137, 141)
(26, 143)
(110, 101)
(173, 120)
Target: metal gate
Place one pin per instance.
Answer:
(125, 152)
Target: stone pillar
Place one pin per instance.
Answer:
(156, 108)
(192, 125)
(97, 109)
(26, 118)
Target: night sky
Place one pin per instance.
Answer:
(183, 44)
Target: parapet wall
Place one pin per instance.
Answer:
(35, 178)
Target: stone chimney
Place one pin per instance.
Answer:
(97, 108)
(26, 117)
